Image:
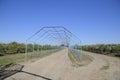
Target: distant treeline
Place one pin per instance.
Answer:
(14, 47)
(110, 49)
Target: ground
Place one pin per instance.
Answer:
(59, 67)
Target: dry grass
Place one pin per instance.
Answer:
(86, 59)
(105, 67)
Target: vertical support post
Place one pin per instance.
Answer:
(80, 51)
(26, 51)
(37, 50)
(33, 51)
(41, 50)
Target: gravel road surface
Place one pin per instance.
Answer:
(59, 67)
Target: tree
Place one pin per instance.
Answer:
(30, 47)
(12, 48)
(21, 48)
(2, 49)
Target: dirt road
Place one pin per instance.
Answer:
(58, 67)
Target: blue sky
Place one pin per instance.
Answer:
(93, 21)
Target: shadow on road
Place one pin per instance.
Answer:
(11, 69)
(36, 75)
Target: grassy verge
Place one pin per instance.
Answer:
(86, 59)
(74, 60)
(15, 58)
(11, 59)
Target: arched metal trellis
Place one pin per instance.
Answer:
(54, 36)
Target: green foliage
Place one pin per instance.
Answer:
(2, 49)
(21, 48)
(14, 47)
(30, 47)
(111, 49)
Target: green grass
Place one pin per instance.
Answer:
(15, 58)
(11, 59)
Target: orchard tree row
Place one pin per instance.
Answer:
(110, 49)
(14, 48)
